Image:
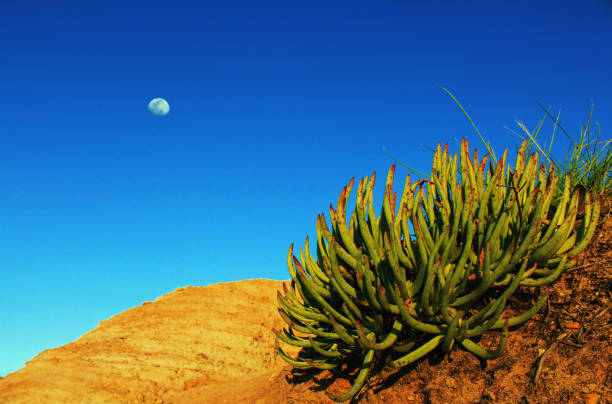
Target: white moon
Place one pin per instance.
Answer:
(159, 107)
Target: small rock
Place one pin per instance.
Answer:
(591, 398)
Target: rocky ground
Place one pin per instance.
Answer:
(213, 344)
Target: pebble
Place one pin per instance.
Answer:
(591, 398)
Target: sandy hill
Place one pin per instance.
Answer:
(192, 337)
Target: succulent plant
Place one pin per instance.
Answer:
(381, 293)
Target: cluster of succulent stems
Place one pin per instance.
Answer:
(384, 294)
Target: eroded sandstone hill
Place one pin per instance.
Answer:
(192, 337)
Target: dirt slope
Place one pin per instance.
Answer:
(191, 337)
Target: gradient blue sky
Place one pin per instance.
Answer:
(274, 107)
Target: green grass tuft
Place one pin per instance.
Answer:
(588, 160)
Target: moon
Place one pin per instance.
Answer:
(159, 107)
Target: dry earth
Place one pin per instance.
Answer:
(213, 344)
(194, 336)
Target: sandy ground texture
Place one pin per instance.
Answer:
(214, 345)
(191, 337)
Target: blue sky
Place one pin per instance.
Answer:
(274, 107)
